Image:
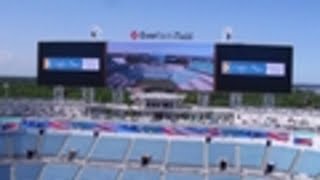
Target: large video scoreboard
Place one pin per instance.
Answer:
(71, 63)
(178, 66)
(253, 68)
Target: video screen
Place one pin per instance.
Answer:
(253, 68)
(71, 63)
(158, 65)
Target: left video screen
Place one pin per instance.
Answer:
(72, 63)
(172, 66)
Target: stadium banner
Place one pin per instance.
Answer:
(304, 138)
(156, 129)
(7, 127)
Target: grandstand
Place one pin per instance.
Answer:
(65, 149)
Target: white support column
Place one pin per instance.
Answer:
(269, 100)
(166, 160)
(86, 159)
(126, 159)
(58, 93)
(203, 99)
(9, 147)
(237, 158)
(13, 171)
(265, 157)
(206, 160)
(88, 95)
(294, 162)
(235, 99)
(117, 95)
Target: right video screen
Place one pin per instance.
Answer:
(253, 68)
(175, 66)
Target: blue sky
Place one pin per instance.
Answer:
(23, 23)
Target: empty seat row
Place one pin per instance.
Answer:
(180, 152)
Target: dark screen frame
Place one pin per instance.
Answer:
(71, 49)
(253, 52)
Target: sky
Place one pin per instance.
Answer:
(23, 23)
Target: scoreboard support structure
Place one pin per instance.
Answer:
(117, 95)
(58, 93)
(269, 99)
(235, 99)
(88, 94)
(203, 99)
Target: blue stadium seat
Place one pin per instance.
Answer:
(80, 143)
(3, 146)
(308, 163)
(52, 144)
(141, 175)
(282, 157)
(184, 176)
(110, 148)
(5, 171)
(23, 142)
(28, 171)
(225, 177)
(219, 151)
(251, 155)
(98, 173)
(254, 178)
(186, 153)
(59, 172)
(154, 148)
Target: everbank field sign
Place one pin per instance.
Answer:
(158, 35)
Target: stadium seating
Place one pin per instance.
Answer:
(80, 143)
(110, 148)
(251, 155)
(59, 171)
(52, 144)
(282, 157)
(27, 171)
(115, 156)
(225, 177)
(3, 146)
(98, 173)
(183, 176)
(152, 147)
(186, 153)
(308, 163)
(5, 171)
(141, 175)
(22, 142)
(219, 151)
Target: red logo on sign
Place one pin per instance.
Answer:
(134, 35)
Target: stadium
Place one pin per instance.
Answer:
(157, 104)
(158, 135)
